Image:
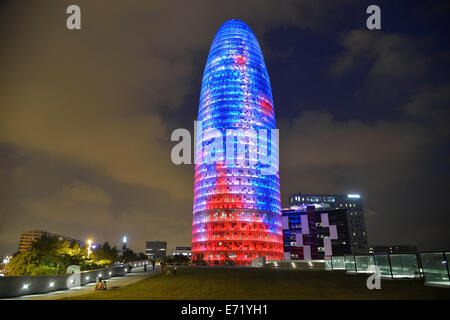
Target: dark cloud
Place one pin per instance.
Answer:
(431, 102)
(392, 62)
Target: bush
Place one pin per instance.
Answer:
(44, 271)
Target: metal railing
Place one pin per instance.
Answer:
(432, 266)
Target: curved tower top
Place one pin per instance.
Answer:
(237, 211)
(235, 61)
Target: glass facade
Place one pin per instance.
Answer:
(237, 211)
(382, 261)
(350, 265)
(363, 263)
(435, 269)
(328, 263)
(338, 263)
(432, 266)
(404, 266)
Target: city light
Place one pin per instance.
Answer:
(124, 240)
(354, 195)
(51, 284)
(25, 286)
(7, 259)
(89, 247)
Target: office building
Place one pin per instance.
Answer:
(155, 249)
(237, 209)
(182, 251)
(28, 238)
(355, 215)
(311, 232)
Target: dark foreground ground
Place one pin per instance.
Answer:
(241, 283)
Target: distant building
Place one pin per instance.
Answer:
(355, 215)
(155, 249)
(183, 251)
(311, 232)
(393, 249)
(28, 238)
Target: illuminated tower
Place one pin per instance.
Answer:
(237, 213)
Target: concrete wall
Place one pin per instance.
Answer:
(26, 285)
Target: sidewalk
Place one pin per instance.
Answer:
(113, 283)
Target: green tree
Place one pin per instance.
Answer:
(23, 264)
(52, 255)
(105, 254)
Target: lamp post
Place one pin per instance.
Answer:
(124, 243)
(89, 247)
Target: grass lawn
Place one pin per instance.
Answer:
(240, 283)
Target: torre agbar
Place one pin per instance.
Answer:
(237, 211)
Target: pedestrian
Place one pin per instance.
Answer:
(145, 267)
(153, 264)
(98, 285)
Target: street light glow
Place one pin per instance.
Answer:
(89, 247)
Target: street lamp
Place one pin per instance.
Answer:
(89, 247)
(124, 243)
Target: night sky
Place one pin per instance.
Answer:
(86, 116)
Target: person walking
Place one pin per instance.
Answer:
(153, 265)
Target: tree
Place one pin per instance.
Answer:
(105, 254)
(52, 255)
(23, 264)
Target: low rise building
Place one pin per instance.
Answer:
(28, 238)
(182, 251)
(156, 249)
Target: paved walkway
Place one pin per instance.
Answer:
(112, 283)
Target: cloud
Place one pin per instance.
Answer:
(315, 139)
(389, 55)
(381, 160)
(102, 95)
(430, 101)
(81, 192)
